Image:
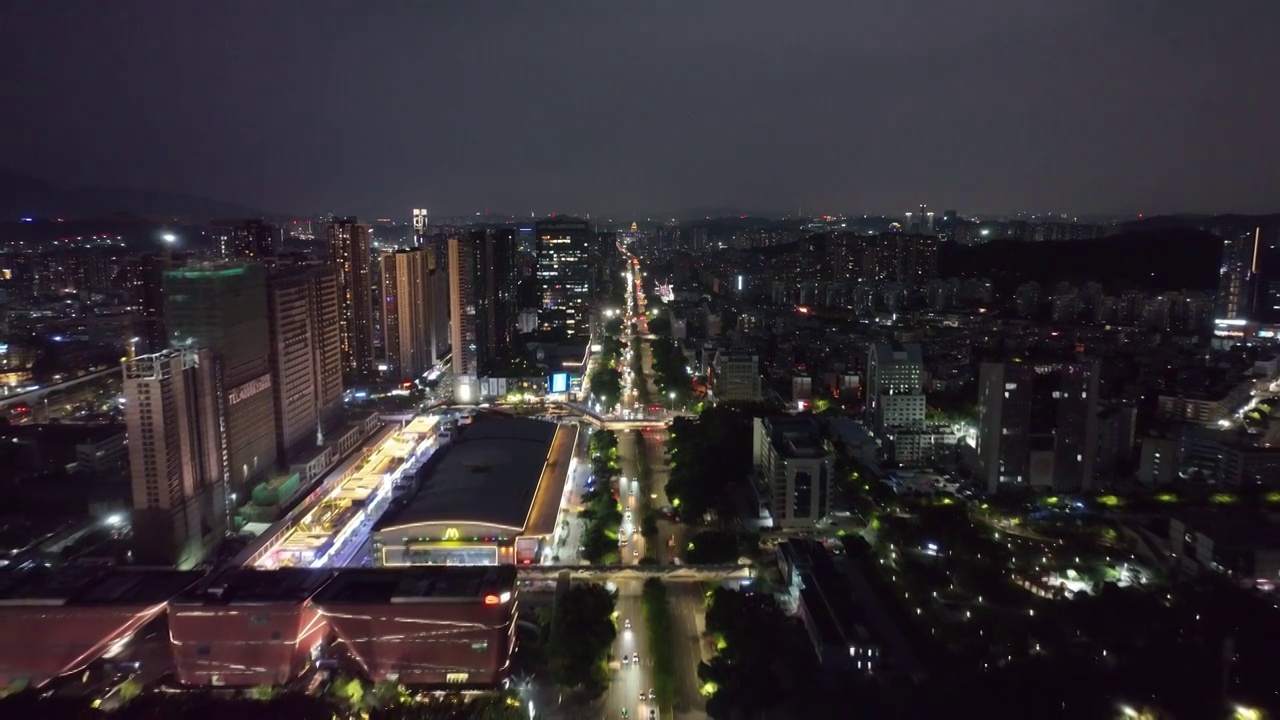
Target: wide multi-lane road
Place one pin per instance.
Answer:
(638, 491)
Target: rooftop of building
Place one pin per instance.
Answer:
(827, 595)
(893, 352)
(1232, 529)
(93, 585)
(499, 471)
(851, 432)
(63, 433)
(241, 585)
(796, 436)
(417, 584)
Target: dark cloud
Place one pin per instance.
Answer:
(378, 106)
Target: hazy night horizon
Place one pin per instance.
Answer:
(622, 109)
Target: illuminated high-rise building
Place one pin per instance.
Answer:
(247, 239)
(564, 277)
(306, 356)
(406, 313)
(895, 386)
(223, 307)
(436, 247)
(421, 227)
(462, 317)
(177, 459)
(350, 253)
(1237, 274)
(495, 262)
(1037, 425)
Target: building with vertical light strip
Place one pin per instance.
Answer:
(176, 456)
(350, 253)
(462, 318)
(1236, 276)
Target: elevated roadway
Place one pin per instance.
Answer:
(31, 397)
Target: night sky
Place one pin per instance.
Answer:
(613, 107)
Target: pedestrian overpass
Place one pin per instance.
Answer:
(583, 413)
(614, 573)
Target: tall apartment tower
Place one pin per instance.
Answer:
(462, 317)
(564, 277)
(223, 307)
(247, 239)
(895, 386)
(437, 250)
(176, 457)
(146, 298)
(496, 286)
(1037, 424)
(1241, 248)
(406, 313)
(350, 253)
(306, 357)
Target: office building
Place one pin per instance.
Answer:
(406, 314)
(223, 307)
(564, 277)
(1037, 425)
(176, 456)
(247, 239)
(793, 464)
(895, 387)
(735, 376)
(306, 356)
(824, 601)
(350, 253)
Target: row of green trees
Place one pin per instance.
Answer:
(339, 704)
(997, 649)
(670, 369)
(606, 378)
(583, 630)
(657, 616)
(601, 510)
(648, 521)
(764, 664)
(709, 455)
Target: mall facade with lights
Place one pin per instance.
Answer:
(492, 499)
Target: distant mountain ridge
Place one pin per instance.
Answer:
(27, 196)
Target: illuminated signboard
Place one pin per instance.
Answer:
(452, 534)
(559, 383)
(249, 389)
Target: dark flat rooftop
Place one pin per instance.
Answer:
(94, 585)
(490, 475)
(417, 584)
(238, 585)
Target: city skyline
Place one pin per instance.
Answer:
(987, 109)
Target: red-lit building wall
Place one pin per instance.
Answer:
(39, 643)
(427, 643)
(244, 645)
